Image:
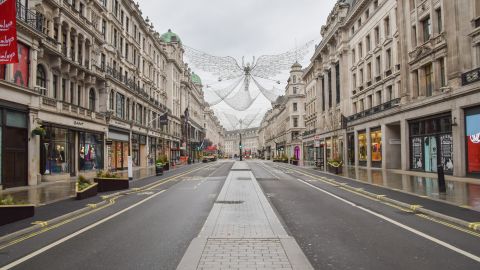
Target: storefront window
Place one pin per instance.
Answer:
(329, 149)
(56, 148)
(376, 140)
(472, 123)
(91, 151)
(362, 146)
(431, 144)
(135, 149)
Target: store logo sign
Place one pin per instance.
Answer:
(475, 138)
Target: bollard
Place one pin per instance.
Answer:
(442, 188)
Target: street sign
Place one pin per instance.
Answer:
(164, 119)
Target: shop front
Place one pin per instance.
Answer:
(139, 153)
(431, 144)
(472, 141)
(57, 151)
(118, 149)
(376, 147)
(362, 148)
(90, 151)
(13, 146)
(60, 152)
(351, 149)
(175, 152)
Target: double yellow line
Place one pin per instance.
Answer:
(111, 200)
(376, 198)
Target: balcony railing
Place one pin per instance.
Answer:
(379, 108)
(33, 19)
(471, 76)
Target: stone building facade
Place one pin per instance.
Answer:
(394, 84)
(93, 79)
(282, 126)
(249, 142)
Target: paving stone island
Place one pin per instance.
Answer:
(242, 231)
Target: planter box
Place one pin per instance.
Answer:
(285, 161)
(166, 166)
(335, 170)
(88, 192)
(294, 162)
(12, 213)
(111, 184)
(158, 170)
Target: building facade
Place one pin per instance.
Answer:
(393, 76)
(249, 143)
(93, 79)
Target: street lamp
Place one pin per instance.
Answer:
(240, 144)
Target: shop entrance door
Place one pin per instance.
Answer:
(15, 157)
(71, 153)
(430, 150)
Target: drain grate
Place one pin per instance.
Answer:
(244, 178)
(229, 202)
(267, 179)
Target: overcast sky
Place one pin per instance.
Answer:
(240, 28)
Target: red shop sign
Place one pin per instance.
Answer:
(8, 32)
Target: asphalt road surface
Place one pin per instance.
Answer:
(144, 230)
(338, 229)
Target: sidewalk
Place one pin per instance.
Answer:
(242, 231)
(461, 191)
(50, 192)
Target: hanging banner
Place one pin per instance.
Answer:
(8, 32)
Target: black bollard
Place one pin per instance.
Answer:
(442, 188)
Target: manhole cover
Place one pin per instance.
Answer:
(244, 178)
(229, 202)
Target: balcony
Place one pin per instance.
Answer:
(28, 16)
(379, 108)
(471, 76)
(388, 72)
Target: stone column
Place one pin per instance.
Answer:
(369, 148)
(75, 46)
(33, 151)
(405, 144)
(32, 80)
(458, 136)
(384, 146)
(59, 36)
(355, 145)
(82, 61)
(68, 42)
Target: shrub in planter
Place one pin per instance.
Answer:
(108, 181)
(294, 161)
(85, 189)
(164, 160)
(11, 210)
(335, 166)
(158, 168)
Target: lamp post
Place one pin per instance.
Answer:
(240, 144)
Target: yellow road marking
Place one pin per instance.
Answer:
(41, 223)
(111, 201)
(473, 225)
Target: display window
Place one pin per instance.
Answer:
(362, 146)
(472, 125)
(55, 151)
(376, 145)
(90, 151)
(431, 144)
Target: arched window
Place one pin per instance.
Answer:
(111, 98)
(294, 79)
(41, 77)
(91, 100)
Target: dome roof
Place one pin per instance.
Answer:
(296, 65)
(196, 79)
(170, 37)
